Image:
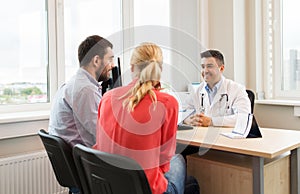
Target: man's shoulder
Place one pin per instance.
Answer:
(231, 83)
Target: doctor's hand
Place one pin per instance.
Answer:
(198, 120)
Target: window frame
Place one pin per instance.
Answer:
(272, 26)
(18, 112)
(56, 67)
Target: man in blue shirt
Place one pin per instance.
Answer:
(75, 106)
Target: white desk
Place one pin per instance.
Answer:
(273, 144)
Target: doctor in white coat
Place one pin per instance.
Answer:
(217, 100)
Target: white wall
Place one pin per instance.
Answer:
(277, 116)
(221, 31)
(29, 142)
(185, 43)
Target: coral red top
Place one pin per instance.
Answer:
(147, 135)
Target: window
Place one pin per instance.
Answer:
(152, 23)
(89, 17)
(28, 56)
(173, 25)
(154, 12)
(290, 45)
(283, 49)
(141, 21)
(24, 52)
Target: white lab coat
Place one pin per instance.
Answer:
(222, 112)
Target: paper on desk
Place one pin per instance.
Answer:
(242, 126)
(183, 114)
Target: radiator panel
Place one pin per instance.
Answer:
(28, 174)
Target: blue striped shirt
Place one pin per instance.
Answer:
(75, 108)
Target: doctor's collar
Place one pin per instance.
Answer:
(216, 87)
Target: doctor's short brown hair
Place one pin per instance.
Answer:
(215, 54)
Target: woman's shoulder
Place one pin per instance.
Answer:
(165, 97)
(119, 91)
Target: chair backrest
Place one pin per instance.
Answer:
(61, 158)
(252, 99)
(106, 173)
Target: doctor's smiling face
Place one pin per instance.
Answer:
(212, 70)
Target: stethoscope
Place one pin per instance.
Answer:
(226, 102)
(202, 108)
(222, 96)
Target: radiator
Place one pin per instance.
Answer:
(28, 174)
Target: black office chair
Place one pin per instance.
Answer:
(106, 173)
(61, 158)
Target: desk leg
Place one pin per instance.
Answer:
(258, 175)
(295, 171)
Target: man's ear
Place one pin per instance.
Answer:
(222, 68)
(131, 68)
(96, 60)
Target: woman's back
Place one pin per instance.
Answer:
(148, 134)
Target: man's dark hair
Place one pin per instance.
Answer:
(92, 46)
(215, 54)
